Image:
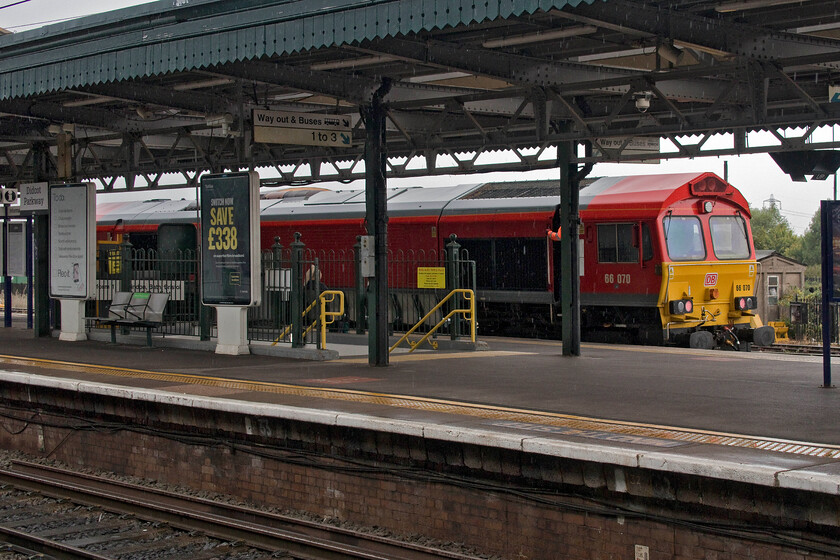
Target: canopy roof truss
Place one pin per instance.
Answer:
(131, 96)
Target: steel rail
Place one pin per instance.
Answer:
(52, 549)
(256, 528)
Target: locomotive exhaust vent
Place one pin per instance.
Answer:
(515, 189)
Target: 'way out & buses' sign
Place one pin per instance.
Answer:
(303, 129)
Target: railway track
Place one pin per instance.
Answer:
(791, 348)
(64, 514)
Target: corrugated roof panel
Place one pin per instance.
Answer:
(214, 34)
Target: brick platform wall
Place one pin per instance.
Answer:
(514, 505)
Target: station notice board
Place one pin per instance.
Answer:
(431, 277)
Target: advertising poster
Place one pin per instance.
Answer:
(230, 223)
(17, 249)
(72, 241)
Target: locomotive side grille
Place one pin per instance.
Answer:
(515, 189)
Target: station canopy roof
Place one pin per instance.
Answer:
(173, 87)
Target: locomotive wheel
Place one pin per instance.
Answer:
(764, 336)
(701, 339)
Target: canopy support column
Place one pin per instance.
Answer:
(41, 235)
(570, 177)
(377, 224)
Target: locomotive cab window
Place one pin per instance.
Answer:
(617, 243)
(729, 237)
(684, 238)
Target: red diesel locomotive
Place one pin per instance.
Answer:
(663, 258)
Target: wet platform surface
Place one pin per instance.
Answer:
(755, 413)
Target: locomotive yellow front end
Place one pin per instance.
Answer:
(712, 304)
(709, 277)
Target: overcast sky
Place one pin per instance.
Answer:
(757, 176)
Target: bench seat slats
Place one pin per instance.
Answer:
(138, 309)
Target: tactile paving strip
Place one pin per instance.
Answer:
(489, 412)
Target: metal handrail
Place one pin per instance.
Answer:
(323, 316)
(469, 315)
(332, 315)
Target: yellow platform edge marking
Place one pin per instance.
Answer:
(489, 412)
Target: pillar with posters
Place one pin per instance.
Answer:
(230, 258)
(72, 222)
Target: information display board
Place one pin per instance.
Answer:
(73, 241)
(17, 249)
(230, 236)
(830, 253)
(830, 217)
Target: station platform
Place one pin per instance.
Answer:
(749, 417)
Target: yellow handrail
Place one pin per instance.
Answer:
(332, 315)
(469, 315)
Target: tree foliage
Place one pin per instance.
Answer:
(807, 247)
(771, 231)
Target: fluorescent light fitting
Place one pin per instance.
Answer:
(615, 54)
(352, 62)
(540, 36)
(95, 100)
(437, 77)
(203, 84)
(752, 4)
(291, 96)
(817, 28)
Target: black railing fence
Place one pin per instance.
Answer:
(804, 320)
(291, 279)
(124, 268)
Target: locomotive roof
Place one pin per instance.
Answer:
(147, 211)
(423, 201)
(607, 197)
(650, 195)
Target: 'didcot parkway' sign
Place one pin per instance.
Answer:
(230, 235)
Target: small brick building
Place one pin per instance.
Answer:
(776, 275)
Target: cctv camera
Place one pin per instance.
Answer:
(643, 101)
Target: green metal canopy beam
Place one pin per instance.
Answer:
(161, 39)
(520, 69)
(195, 101)
(745, 40)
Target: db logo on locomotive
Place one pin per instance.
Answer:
(710, 280)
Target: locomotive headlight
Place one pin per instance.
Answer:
(745, 303)
(707, 206)
(681, 306)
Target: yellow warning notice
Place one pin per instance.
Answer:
(433, 277)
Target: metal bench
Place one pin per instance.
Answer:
(139, 310)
